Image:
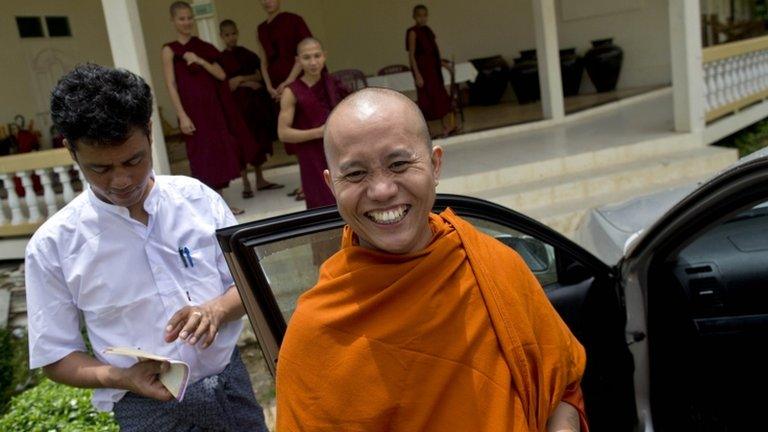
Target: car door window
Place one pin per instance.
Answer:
(291, 266)
(539, 256)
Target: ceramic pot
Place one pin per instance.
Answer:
(571, 70)
(603, 63)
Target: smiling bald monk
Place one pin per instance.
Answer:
(420, 322)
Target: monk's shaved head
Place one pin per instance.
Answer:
(387, 107)
(308, 41)
(382, 169)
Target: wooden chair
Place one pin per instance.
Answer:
(393, 69)
(457, 105)
(352, 79)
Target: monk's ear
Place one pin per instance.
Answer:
(328, 182)
(437, 161)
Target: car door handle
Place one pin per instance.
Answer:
(635, 337)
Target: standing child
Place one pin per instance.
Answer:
(426, 65)
(304, 108)
(242, 67)
(214, 132)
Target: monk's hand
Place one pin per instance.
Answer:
(235, 82)
(251, 84)
(143, 379)
(565, 418)
(195, 324)
(191, 58)
(419, 81)
(186, 125)
(272, 92)
(280, 88)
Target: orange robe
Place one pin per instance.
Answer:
(457, 337)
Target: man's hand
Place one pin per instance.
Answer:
(142, 379)
(191, 58)
(195, 324)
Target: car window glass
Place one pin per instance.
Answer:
(539, 256)
(291, 266)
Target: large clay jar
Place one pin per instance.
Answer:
(491, 81)
(571, 70)
(603, 64)
(524, 77)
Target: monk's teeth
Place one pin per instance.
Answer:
(388, 216)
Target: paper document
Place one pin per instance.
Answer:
(175, 379)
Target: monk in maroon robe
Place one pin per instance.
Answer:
(304, 108)
(214, 132)
(426, 66)
(243, 68)
(279, 36)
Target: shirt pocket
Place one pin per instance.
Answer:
(201, 276)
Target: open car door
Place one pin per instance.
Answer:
(274, 261)
(697, 280)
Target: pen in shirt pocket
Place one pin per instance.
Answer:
(183, 258)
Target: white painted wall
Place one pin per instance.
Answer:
(25, 91)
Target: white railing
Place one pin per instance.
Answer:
(21, 217)
(735, 76)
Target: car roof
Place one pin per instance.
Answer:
(609, 231)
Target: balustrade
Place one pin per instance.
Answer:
(735, 76)
(44, 180)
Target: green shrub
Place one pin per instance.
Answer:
(6, 367)
(15, 375)
(748, 140)
(55, 407)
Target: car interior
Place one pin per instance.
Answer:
(708, 325)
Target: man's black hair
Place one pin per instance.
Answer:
(97, 105)
(417, 7)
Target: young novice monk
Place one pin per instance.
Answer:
(213, 129)
(243, 68)
(426, 65)
(304, 107)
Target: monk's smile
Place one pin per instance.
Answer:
(388, 216)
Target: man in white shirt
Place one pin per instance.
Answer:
(135, 258)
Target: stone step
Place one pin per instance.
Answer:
(566, 215)
(472, 176)
(576, 187)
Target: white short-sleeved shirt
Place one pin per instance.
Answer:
(127, 279)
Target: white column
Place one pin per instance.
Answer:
(207, 22)
(548, 56)
(687, 69)
(128, 51)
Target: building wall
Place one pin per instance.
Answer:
(22, 91)
(641, 29)
(360, 34)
